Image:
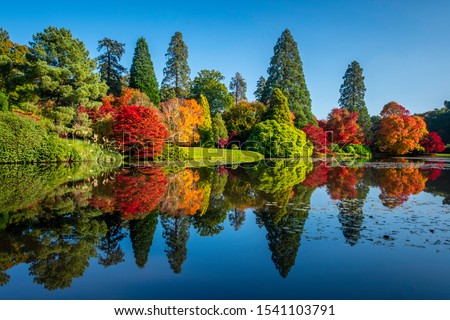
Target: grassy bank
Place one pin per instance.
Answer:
(211, 156)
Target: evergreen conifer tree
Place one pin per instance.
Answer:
(111, 71)
(238, 88)
(278, 109)
(352, 95)
(286, 73)
(142, 74)
(176, 81)
(260, 87)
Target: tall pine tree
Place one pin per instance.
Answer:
(260, 87)
(142, 74)
(352, 93)
(286, 73)
(176, 81)
(111, 71)
(238, 88)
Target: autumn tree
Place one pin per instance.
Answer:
(343, 124)
(111, 71)
(182, 119)
(142, 74)
(286, 73)
(260, 89)
(209, 83)
(238, 88)
(139, 131)
(63, 71)
(432, 143)
(243, 117)
(352, 93)
(318, 138)
(176, 79)
(399, 132)
(278, 109)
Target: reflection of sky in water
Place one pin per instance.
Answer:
(383, 253)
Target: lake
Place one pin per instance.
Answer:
(277, 230)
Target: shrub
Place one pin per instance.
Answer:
(357, 149)
(4, 104)
(172, 152)
(279, 140)
(24, 140)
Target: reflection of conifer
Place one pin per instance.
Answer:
(351, 214)
(237, 218)
(141, 236)
(110, 243)
(284, 232)
(176, 234)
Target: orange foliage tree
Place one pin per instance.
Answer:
(182, 119)
(400, 133)
(183, 195)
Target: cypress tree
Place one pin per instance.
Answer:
(111, 70)
(352, 93)
(206, 133)
(176, 81)
(278, 109)
(286, 73)
(260, 87)
(238, 88)
(142, 74)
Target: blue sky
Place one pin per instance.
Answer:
(402, 45)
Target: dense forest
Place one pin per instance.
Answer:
(56, 100)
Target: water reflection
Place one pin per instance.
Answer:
(56, 224)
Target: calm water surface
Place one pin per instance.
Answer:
(280, 230)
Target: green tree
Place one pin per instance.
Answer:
(209, 83)
(286, 73)
(15, 82)
(278, 109)
(260, 89)
(64, 72)
(142, 74)
(238, 88)
(218, 127)
(352, 93)
(176, 79)
(205, 131)
(141, 236)
(243, 117)
(111, 71)
(4, 104)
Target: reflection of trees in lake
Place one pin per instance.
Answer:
(176, 234)
(110, 251)
(438, 182)
(284, 231)
(347, 186)
(398, 184)
(236, 218)
(141, 235)
(57, 237)
(139, 192)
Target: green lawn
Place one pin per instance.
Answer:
(211, 156)
(443, 155)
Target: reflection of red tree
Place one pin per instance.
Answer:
(317, 177)
(104, 203)
(183, 195)
(139, 192)
(342, 181)
(434, 173)
(398, 184)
